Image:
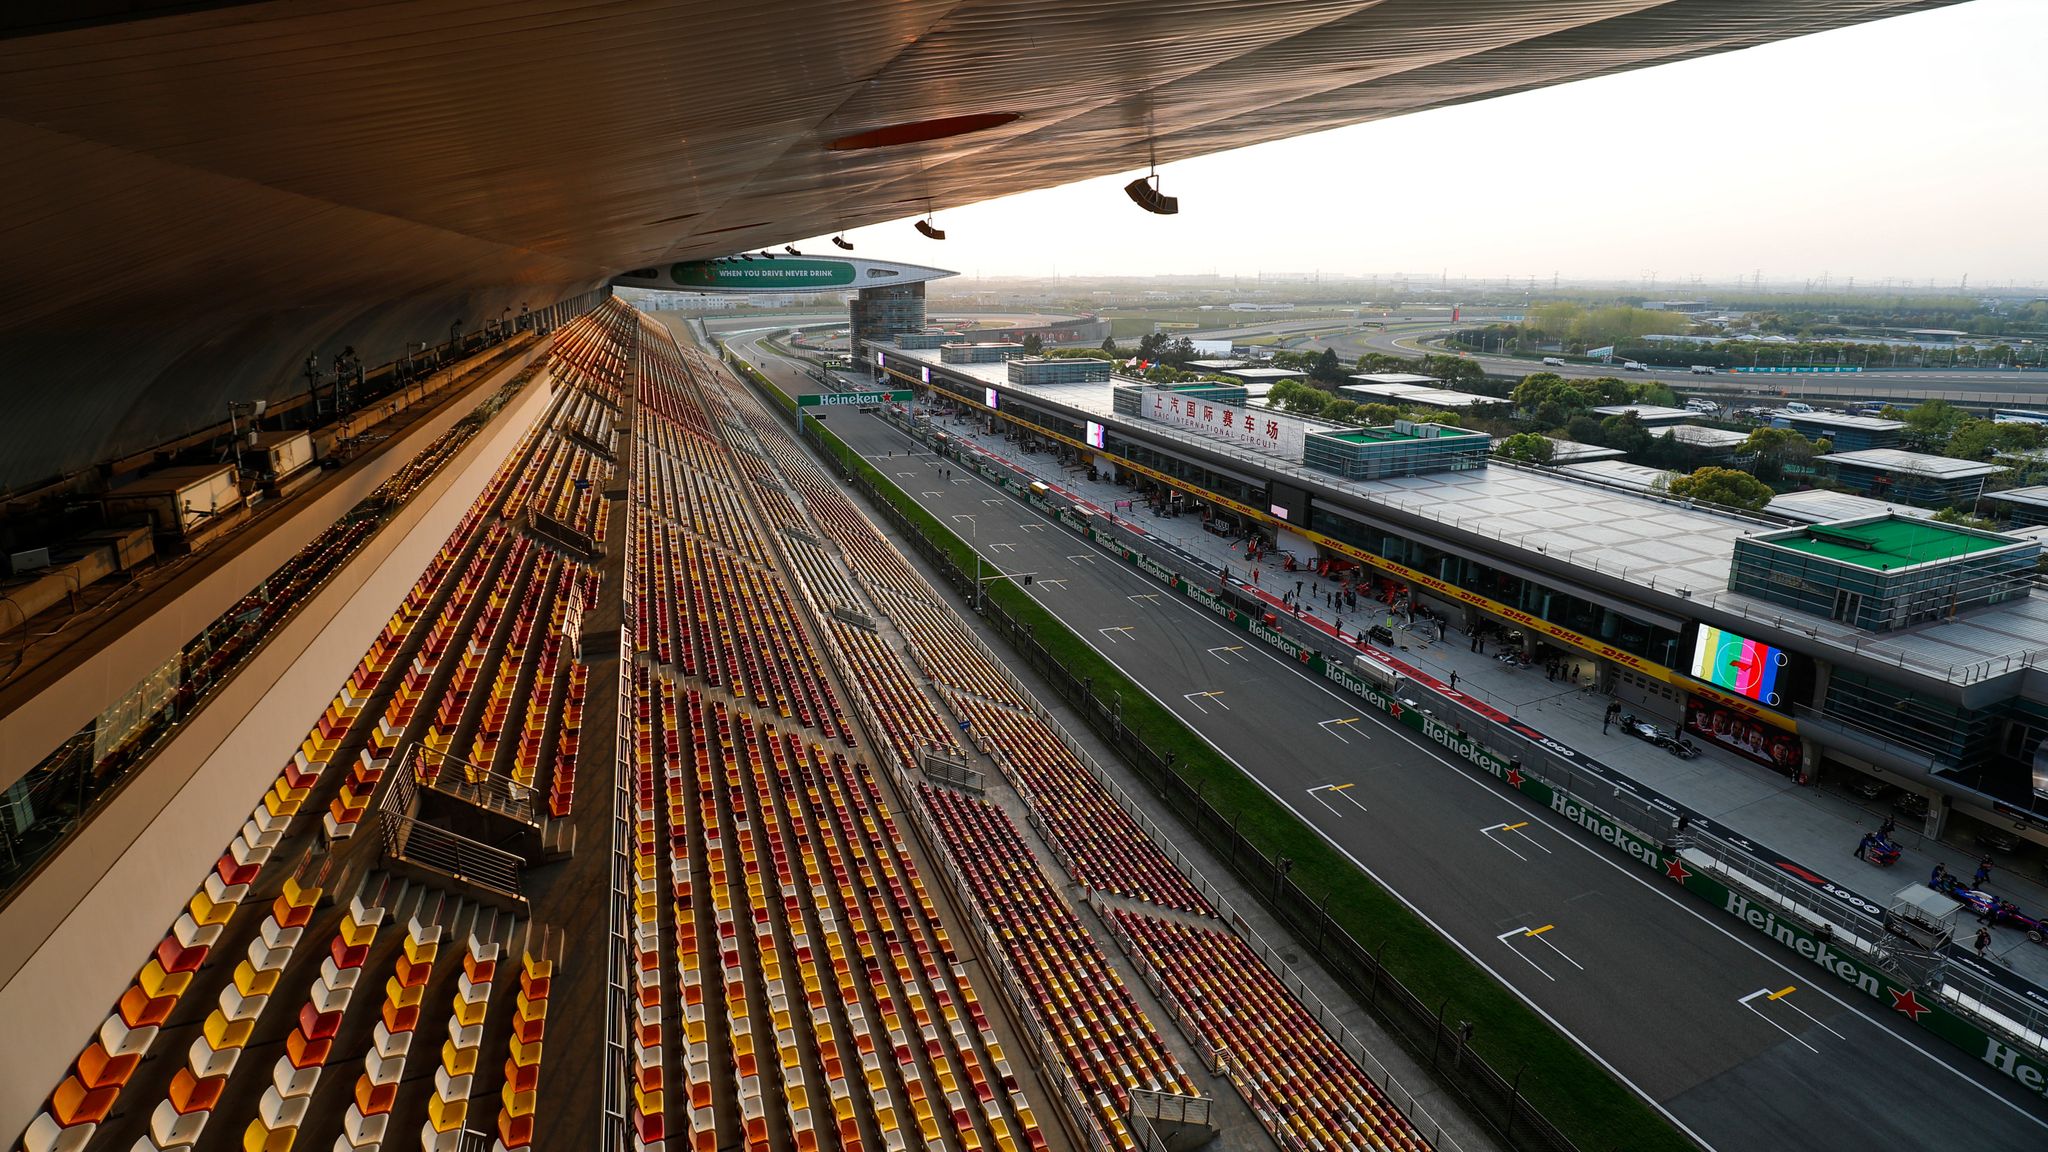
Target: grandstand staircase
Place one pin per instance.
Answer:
(429, 843)
(603, 451)
(562, 537)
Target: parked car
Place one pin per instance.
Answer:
(1634, 366)
(1553, 362)
(1799, 406)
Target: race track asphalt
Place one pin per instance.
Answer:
(1657, 986)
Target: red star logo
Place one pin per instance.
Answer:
(1514, 777)
(1394, 710)
(1909, 1004)
(1677, 870)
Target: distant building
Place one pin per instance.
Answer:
(1708, 445)
(920, 340)
(1820, 505)
(1621, 474)
(1056, 370)
(1573, 452)
(1652, 415)
(1404, 449)
(1266, 376)
(988, 353)
(1846, 433)
(2026, 507)
(1914, 477)
(1883, 573)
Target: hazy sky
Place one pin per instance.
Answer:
(1909, 148)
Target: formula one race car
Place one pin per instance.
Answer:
(2000, 910)
(1882, 852)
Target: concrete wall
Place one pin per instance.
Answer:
(72, 941)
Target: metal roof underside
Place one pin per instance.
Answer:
(199, 194)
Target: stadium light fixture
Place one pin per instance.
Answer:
(1144, 192)
(843, 242)
(925, 225)
(791, 249)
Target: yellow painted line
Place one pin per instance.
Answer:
(1548, 927)
(1341, 787)
(1512, 827)
(1787, 990)
(1348, 720)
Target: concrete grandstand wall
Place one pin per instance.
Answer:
(77, 934)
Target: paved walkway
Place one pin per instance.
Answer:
(1819, 826)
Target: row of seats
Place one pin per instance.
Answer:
(282, 1110)
(521, 1091)
(816, 995)
(1302, 1086)
(448, 1107)
(589, 417)
(687, 497)
(1099, 843)
(593, 352)
(1079, 1001)
(376, 1090)
(1097, 1032)
(813, 571)
(484, 636)
(550, 580)
(562, 788)
(697, 1128)
(418, 677)
(943, 648)
(907, 716)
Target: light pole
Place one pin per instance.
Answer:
(973, 536)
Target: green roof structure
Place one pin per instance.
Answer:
(1890, 543)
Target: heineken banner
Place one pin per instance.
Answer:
(832, 399)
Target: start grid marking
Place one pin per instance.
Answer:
(1782, 998)
(1339, 790)
(1500, 833)
(1539, 935)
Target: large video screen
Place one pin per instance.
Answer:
(988, 396)
(1094, 435)
(1743, 666)
(1287, 502)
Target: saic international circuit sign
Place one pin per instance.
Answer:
(770, 273)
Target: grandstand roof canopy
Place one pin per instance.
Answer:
(203, 192)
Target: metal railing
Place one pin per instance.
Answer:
(409, 838)
(471, 783)
(620, 959)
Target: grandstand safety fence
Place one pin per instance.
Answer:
(1442, 1044)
